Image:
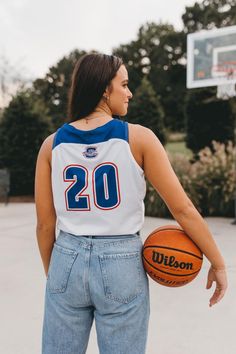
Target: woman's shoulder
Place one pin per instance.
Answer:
(140, 132)
(144, 140)
(138, 128)
(46, 147)
(48, 141)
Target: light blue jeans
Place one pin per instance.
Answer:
(101, 278)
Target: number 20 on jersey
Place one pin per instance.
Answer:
(105, 187)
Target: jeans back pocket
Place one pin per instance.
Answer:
(121, 275)
(61, 263)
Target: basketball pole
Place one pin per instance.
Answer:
(234, 222)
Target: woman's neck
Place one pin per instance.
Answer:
(92, 121)
(100, 114)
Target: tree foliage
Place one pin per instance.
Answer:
(146, 109)
(21, 133)
(12, 79)
(208, 119)
(53, 89)
(158, 54)
(209, 14)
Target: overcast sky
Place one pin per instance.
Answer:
(35, 34)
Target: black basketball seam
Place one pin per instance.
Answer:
(175, 249)
(155, 231)
(162, 271)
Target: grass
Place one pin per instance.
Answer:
(178, 147)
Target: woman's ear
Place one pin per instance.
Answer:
(108, 90)
(106, 93)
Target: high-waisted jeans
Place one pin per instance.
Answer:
(101, 278)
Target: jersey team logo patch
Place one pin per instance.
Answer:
(90, 152)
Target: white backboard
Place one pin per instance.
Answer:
(211, 57)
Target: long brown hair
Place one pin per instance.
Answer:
(91, 76)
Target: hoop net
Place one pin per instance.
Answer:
(227, 70)
(226, 91)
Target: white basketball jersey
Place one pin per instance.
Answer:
(98, 187)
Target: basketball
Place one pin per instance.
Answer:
(170, 257)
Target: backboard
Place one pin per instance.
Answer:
(211, 57)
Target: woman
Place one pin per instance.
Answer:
(90, 178)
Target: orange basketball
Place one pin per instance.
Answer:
(170, 257)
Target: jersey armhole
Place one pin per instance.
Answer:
(129, 148)
(127, 132)
(55, 142)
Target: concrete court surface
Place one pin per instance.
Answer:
(181, 321)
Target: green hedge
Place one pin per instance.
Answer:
(209, 182)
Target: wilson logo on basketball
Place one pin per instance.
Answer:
(160, 258)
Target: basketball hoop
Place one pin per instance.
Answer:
(226, 91)
(211, 61)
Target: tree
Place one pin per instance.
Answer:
(52, 90)
(208, 119)
(145, 109)
(168, 76)
(209, 14)
(21, 133)
(12, 79)
(158, 54)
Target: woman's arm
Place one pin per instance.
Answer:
(46, 216)
(160, 174)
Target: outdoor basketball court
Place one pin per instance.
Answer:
(181, 321)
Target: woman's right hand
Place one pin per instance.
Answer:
(220, 277)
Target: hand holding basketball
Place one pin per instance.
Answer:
(172, 259)
(219, 276)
